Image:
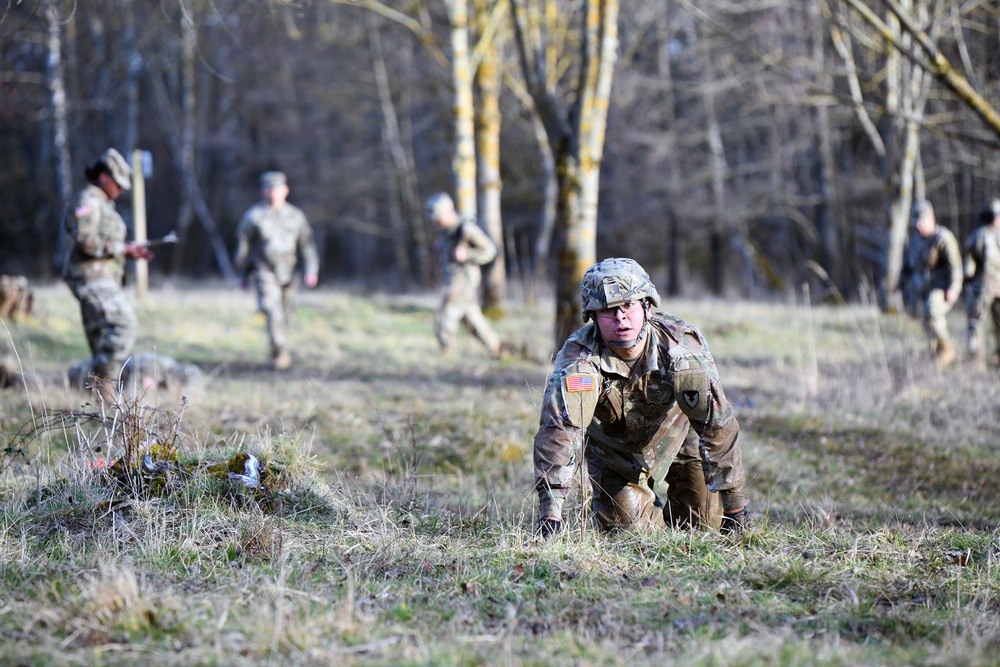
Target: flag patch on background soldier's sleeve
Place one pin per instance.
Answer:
(82, 211)
(579, 383)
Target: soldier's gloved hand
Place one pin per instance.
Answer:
(736, 523)
(549, 526)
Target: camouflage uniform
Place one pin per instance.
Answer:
(982, 271)
(268, 241)
(910, 276)
(939, 260)
(662, 429)
(94, 269)
(460, 302)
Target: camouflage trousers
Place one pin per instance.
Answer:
(460, 305)
(109, 323)
(272, 300)
(936, 310)
(620, 502)
(982, 302)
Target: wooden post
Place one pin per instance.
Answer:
(139, 220)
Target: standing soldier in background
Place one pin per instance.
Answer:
(94, 268)
(636, 394)
(939, 261)
(269, 237)
(464, 249)
(982, 274)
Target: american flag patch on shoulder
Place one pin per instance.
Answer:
(576, 383)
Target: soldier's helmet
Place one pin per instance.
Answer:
(118, 168)
(990, 210)
(438, 204)
(612, 282)
(921, 209)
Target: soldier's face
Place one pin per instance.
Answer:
(109, 185)
(925, 225)
(275, 195)
(621, 324)
(446, 217)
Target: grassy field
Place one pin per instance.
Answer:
(396, 526)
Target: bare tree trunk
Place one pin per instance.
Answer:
(828, 223)
(464, 157)
(132, 71)
(550, 196)
(490, 183)
(580, 192)
(60, 133)
(907, 98)
(672, 252)
(550, 189)
(189, 44)
(413, 207)
(718, 248)
(189, 178)
(394, 149)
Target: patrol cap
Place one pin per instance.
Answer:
(921, 209)
(272, 179)
(990, 210)
(118, 168)
(438, 204)
(612, 282)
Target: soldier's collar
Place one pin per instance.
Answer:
(649, 361)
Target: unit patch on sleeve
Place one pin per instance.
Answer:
(576, 383)
(692, 389)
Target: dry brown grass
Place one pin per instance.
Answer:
(396, 527)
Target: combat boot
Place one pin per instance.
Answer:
(281, 360)
(946, 353)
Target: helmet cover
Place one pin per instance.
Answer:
(612, 282)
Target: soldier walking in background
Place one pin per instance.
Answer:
(938, 260)
(982, 275)
(464, 248)
(636, 394)
(269, 237)
(94, 267)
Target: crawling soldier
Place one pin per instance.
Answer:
(637, 395)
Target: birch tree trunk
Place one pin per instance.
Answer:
(490, 184)
(60, 131)
(464, 158)
(907, 100)
(577, 138)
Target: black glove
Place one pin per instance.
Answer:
(737, 523)
(548, 527)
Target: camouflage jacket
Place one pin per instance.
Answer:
(95, 239)
(938, 260)
(629, 415)
(269, 240)
(982, 258)
(479, 250)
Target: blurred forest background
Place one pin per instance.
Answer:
(750, 145)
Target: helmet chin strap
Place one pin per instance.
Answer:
(629, 344)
